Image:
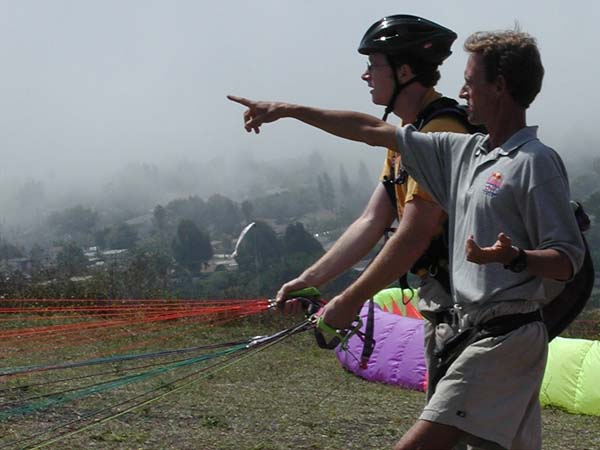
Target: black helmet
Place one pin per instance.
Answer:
(413, 36)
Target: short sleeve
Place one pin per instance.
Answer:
(439, 124)
(426, 161)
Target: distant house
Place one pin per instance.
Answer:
(23, 265)
(99, 259)
(81, 279)
(221, 261)
(93, 256)
(218, 246)
(116, 256)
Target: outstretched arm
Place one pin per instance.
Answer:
(346, 124)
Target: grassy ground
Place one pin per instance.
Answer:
(290, 396)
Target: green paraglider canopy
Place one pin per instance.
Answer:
(399, 301)
(571, 377)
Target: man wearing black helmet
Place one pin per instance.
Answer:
(404, 55)
(507, 190)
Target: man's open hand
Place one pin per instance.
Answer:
(501, 252)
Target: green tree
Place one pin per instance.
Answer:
(101, 237)
(592, 206)
(247, 210)
(147, 274)
(37, 252)
(122, 236)
(192, 208)
(364, 177)
(259, 249)
(326, 191)
(345, 186)
(159, 218)
(348, 204)
(298, 240)
(70, 260)
(37, 255)
(8, 250)
(75, 222)
(282, 206)
(223, 214)
(191, 246)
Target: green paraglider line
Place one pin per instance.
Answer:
(60, 398)
(233, 355)
(107, 360)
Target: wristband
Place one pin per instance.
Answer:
(519, 264)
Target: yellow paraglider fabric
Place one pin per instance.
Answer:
(571, 377)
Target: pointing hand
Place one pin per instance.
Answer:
(259, 112)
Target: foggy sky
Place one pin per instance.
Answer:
(87, 87)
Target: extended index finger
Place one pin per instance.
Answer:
(241, 100)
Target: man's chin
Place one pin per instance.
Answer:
(473, 120)
(377, 101)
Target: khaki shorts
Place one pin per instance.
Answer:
(492, 389)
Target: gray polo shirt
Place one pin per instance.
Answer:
(520, 188)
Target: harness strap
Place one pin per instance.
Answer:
(368, 341)
(497, 326)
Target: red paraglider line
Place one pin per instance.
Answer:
(76, 322)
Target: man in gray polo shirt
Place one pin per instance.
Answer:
(512, 234)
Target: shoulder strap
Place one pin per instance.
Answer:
(435, 109)
(445, 106)
(441, 106)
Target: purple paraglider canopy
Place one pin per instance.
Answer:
(398, 356)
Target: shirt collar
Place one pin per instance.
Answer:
(518, 139)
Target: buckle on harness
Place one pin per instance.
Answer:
(329, 338)
(341, 337)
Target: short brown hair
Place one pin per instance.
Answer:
(427, 73)
(514, 55)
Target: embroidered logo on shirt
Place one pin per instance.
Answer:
(493, 184)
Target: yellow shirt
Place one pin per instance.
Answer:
(410, 189)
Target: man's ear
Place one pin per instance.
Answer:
(405, 73)
(501, 85)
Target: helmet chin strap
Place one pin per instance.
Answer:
(398, 87)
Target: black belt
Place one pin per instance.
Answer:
(498, 326)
